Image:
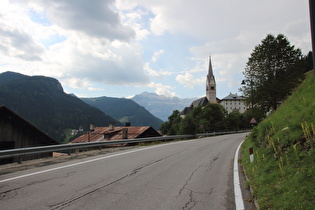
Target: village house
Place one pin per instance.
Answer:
(116, 133)
(233, 103)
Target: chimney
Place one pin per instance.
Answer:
(111, 126)
(127, 124)
(125, 133)
(92, 127)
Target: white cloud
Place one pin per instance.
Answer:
(76, 83)
(161, 89)
(95, 19)
(157, 55)
(102, 62)
(16, 39)
(129, 97)
(110, 42)
(16, 43)
(81, 52)
(134, 19)
(189, 81)
(159, 74)
(95, 89)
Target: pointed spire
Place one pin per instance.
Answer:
(211, 85)
(210, 72)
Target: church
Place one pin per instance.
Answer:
(231, 103)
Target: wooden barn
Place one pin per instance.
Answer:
(15, 132)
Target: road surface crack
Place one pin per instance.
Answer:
(136, 170)
(68, 202)
(15, 191)
(192, 201)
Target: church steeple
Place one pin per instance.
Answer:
(211, 92)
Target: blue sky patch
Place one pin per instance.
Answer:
(55, 39)
(40, 18)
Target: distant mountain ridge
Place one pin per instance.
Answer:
(161, 106)
(42, 101)
(125, 110)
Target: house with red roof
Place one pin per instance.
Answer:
(117, 133)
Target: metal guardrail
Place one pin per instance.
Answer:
(67, 147)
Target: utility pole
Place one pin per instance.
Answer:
(312, 21)
(89, 131)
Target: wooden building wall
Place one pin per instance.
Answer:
(16, 132)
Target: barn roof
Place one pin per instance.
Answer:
(133, 132)
(4, 111)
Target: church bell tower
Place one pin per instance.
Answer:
(211, 91)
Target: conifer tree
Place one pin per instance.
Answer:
(273, 70)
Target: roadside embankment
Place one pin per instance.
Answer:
(282, 174)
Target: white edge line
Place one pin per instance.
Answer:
(80, 163)
(88, 161)
(239, 203)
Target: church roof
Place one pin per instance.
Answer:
(200, 102)
(186, 110)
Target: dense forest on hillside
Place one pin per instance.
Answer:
(125, 110)
(42, 101)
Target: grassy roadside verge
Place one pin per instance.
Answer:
(282, 174)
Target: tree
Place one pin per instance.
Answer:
(187, 125)
(212, 117)
(171, 127)
(308, 59)
(273, 70)
(233, 121)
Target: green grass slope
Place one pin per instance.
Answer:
(282, 174)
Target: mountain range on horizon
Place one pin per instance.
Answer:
(42, 101)
(161, 106)
(125, 111)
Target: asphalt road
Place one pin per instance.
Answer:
(194, 174)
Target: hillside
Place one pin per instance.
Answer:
(125, 110)
(42, 101)
(283, 173)
(161, 106)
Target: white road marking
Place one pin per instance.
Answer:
(239, 203)
(80, 163)
(237, 190)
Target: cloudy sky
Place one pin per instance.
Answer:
(120, 48)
